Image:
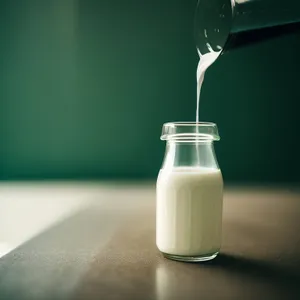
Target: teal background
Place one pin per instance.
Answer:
(85, 87)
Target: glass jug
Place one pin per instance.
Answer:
(223, 25)
(189, 193)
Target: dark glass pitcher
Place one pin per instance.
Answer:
(223, 25)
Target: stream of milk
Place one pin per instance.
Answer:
(206, 60)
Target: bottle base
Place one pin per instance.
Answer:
(197, 258)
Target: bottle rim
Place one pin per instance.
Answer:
(190, 131)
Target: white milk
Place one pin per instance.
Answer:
(189, 211)
(205, 62)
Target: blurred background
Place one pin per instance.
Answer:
(85, 87)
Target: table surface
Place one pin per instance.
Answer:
(97, 241)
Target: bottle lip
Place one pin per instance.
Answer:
(190, 131)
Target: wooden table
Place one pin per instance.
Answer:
(97, 241)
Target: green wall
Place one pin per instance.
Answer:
(85, 87)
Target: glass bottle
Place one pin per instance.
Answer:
(189, 193)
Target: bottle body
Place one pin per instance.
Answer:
(189, 212)
(189, 201)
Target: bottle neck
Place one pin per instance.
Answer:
(190, 154)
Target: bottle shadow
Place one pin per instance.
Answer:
(282, 277)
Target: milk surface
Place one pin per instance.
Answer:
(189, 211)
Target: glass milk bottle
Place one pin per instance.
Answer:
(189, 193)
